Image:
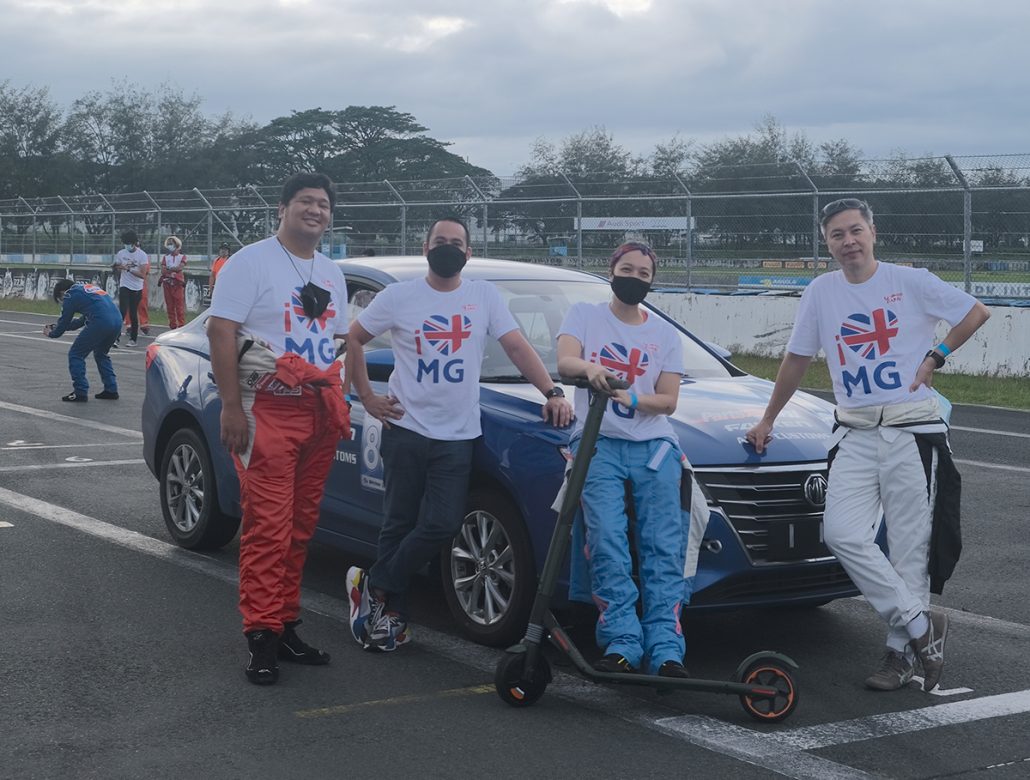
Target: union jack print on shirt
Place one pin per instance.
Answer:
(625, 363)
(316, 325)
(447, 334)
(870, 336)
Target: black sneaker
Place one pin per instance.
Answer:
(614, 662)
(75, 397)
(293, 648)
(263, 668)
(107, 395)
(673, 669)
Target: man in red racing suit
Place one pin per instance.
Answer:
(272, 328)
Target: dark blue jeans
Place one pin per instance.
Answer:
(426, 484)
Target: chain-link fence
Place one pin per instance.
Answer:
(722, 227)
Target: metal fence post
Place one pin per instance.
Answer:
(815, 218)
(404, 216)
(71, 235)
(967, 223)
(483, 199)
(690, 228)
(579, 222)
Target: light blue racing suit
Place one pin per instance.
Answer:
(100, 323)
(653, 470)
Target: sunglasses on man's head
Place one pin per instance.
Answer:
(844, 204)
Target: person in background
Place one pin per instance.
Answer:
(637, 445)
(216, 266)
(100, 323)
(875, 321)
(133, 265)
(173, 279)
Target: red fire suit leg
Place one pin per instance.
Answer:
(282, 479)
(175, 304)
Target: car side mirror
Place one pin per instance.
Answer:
(380, 364)
(719, 350)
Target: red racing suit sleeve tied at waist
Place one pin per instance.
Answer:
(294, 371)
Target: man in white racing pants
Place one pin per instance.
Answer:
(875, 323)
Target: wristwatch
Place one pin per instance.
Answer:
(937, 357)
(554, 392)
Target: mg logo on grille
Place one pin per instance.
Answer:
(815, 490)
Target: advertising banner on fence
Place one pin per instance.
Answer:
(628, 224)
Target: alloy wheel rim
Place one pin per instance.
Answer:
(483, 568)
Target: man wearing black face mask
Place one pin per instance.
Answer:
(636, 445)
(439, 327)
(284, 301)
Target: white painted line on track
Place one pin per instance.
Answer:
(33, 447)
(991, 432)
(99, 426)
(89, 464)
(5, 524)
(891, 724)
(780, 752)
(1002, 466)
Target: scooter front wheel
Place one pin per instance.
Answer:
(512, 684)
(782, 697)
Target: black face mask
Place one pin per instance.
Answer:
(446, 260)
(314, 299)
(629, 289)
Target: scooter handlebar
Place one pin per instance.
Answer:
(613, 384)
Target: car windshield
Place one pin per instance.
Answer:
(540, 307)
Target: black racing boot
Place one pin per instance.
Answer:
(293, 648)
(263, 668)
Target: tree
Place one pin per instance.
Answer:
(30, 143)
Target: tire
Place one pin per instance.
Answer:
(510, 682)
(773, 674)
(488, 571)
(189, 495)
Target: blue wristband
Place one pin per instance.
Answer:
(943, 349)
(632, 400)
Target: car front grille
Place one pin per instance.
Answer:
(824, 581)
(776, 517)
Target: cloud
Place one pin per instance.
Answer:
(924, 75)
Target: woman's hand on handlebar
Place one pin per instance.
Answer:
(598, 378)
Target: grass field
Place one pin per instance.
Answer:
(157, 316)
(1013, 393)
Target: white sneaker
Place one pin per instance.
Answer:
(132, 343)
(357, 595)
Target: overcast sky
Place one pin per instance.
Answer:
(936, 76)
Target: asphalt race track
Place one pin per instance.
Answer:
(122, 656)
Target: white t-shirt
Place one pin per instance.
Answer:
(638, 354)
(438, 340)
(875, 334)
(260, 289)
(137, 258)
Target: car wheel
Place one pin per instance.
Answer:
(488, 572)
(189, 495)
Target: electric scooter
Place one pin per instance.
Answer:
(763, 681)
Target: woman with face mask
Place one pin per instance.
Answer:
(173, 280)
(637, 445)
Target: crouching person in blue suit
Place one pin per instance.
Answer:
(100, 322)
(636, 445)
